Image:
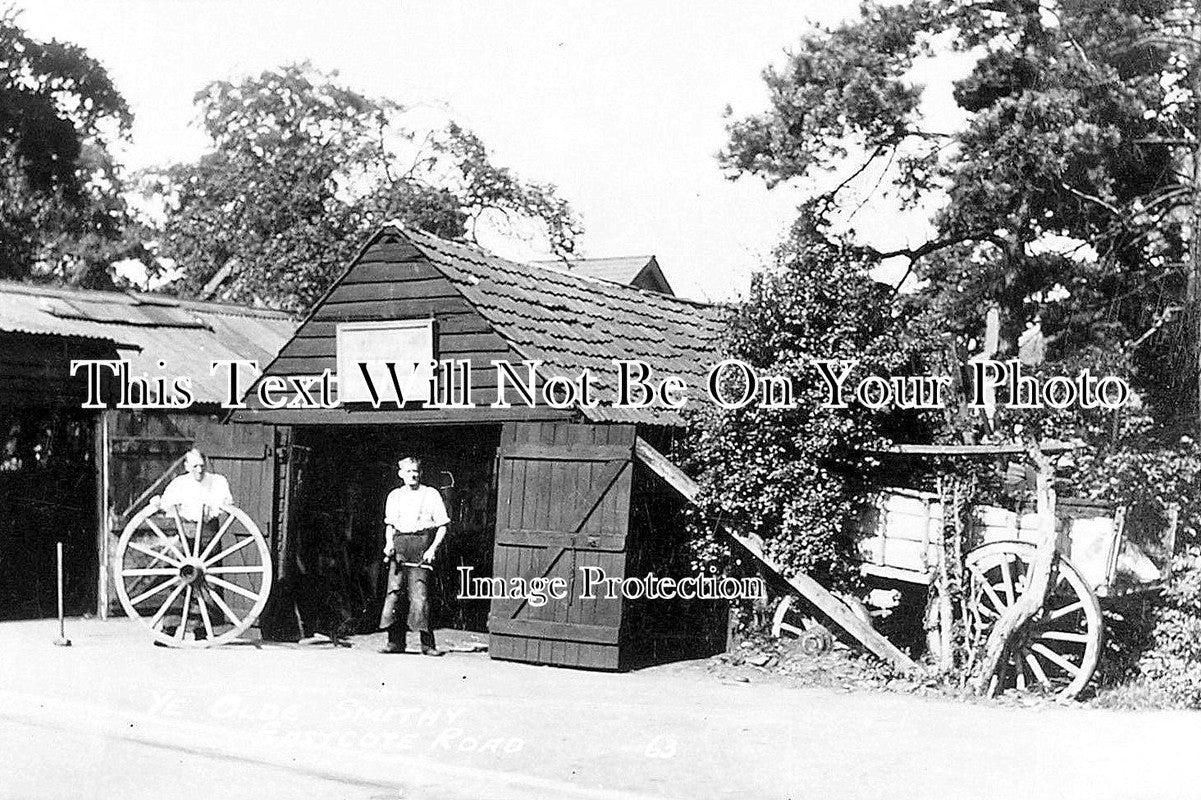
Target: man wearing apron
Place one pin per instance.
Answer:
(415, 523)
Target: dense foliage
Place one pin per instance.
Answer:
(1062, 200)
(1171, 665)
(793, 475)
(302, 169)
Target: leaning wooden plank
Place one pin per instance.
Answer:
(808, 588)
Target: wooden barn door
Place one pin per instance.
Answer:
(245, 455)
(563, 496)
(146, 452)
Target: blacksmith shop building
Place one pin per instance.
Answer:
(533, 491)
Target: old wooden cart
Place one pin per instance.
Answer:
(1099, 557)
(193, 586)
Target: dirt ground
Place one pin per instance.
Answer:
(113, 716)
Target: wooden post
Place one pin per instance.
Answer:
(1030, 604)
(104, 521)
(62, 640)
(943, 581)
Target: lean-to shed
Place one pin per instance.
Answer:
(533, 491)
(74, 474)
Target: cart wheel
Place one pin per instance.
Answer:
(1059, 650)
(789, 622)
(815, 641)
(217, 585)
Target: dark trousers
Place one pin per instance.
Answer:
(406, 603)
(171, 620)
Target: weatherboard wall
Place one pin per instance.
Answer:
(393, 280)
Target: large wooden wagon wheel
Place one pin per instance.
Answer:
(1056, 653)
(215, 582)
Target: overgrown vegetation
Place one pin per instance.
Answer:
(1061, 206)
(794, 475)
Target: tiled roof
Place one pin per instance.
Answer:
(146, 329)
(620, 269)
(574, 323)
(626, 270)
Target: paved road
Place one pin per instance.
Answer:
(52, 762)
(114, 717)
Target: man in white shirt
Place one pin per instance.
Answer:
(197, 492)
(195, 498)
(415, 523)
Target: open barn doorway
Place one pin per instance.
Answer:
(47, 495)
(337, 510)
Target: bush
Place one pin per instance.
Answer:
(794, 476)
(1172, 665)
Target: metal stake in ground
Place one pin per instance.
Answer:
(62, 640)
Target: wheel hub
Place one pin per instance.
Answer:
(191, 571)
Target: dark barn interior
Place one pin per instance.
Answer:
(666, 629)
(47, 495)
(338, 509)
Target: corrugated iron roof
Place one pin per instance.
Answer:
(146, 329)
(573, 323)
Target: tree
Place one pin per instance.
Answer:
(302, 169)
(62, 212)
(1068, 198)
(1063, 197)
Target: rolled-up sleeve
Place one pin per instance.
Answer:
(436, 509)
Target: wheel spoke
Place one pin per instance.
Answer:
(183, 536)
(225, 609)
(232, 587)
(260, 568)
(183, 614)
(156, 554)
(1020, 668)
(1037, 669)
(1059, 613)
(229, 551)
(1055, 658)
(1007, 576)
(162, 611)
(1065, 636)
(152, 592)
(992, 595)
(199, 528)
(202, 604)
(149, 571)
(175, 551)
(220, 532)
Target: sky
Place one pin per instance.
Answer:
(617, 103)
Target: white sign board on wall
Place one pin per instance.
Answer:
(394, 354)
